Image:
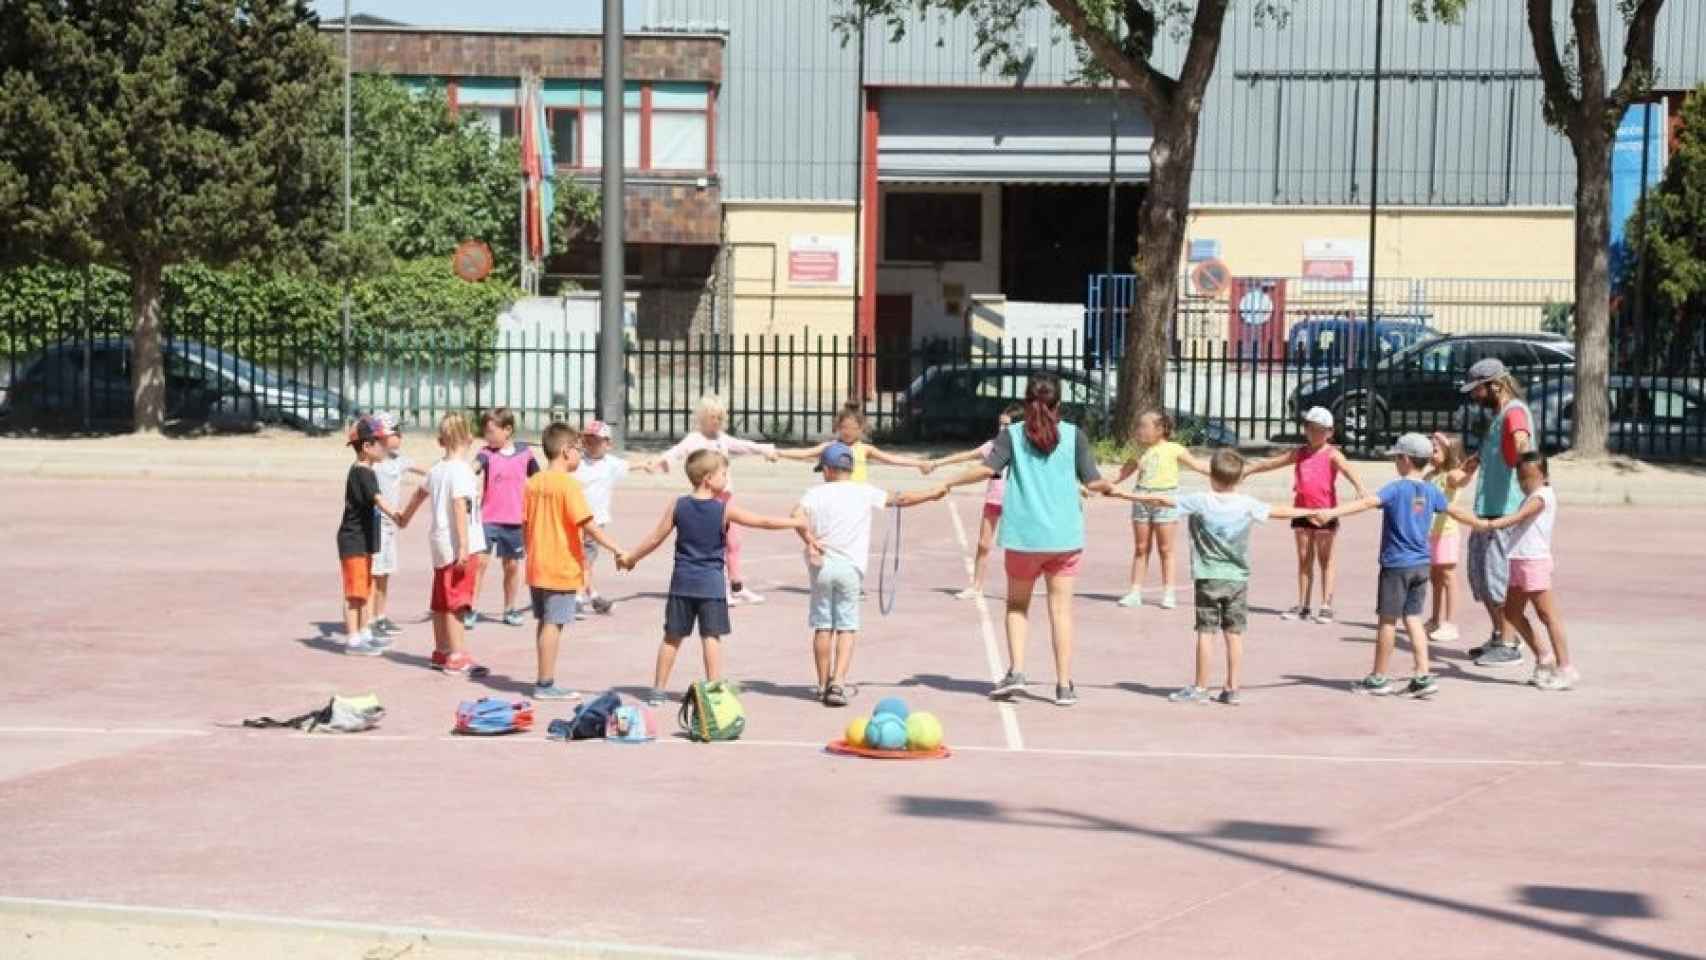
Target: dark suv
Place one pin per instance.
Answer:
(1419, 388)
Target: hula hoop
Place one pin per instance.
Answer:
(842, 748)
(888, 571)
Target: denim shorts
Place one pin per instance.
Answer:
(1402, 591)
(556, 607)
(504, 539)
(835, 595)
(1154, 513)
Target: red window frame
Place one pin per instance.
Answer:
(646, 112)
(579, 159)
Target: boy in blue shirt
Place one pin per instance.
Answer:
(1408, 505)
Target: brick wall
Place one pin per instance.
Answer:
(562, 56)
(672, 213)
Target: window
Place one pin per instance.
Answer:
(933, 227)
(1447, 357)
(681, 126)
(1669, 405)
(996, 386)
(592, 122)
(500, 122)
(565, 137)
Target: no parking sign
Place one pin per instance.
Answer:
(1257, 322)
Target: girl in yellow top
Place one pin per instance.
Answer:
(850, 429)
(1444, 472)
(1156, 463)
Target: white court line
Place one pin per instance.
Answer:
(113, 731)
(475, 938)
(1009, 716)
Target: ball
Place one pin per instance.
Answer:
(923, 731)
(885, 732)
(856, 731)
(894, 706)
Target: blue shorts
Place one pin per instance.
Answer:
(504, 539)
(1147, 513)
(555, 607)
(835, 595)
(710, 613)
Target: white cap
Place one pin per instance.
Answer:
(1320, 416)
(598, 428)
(1415, 446)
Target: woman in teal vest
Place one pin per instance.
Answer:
(1042, 525)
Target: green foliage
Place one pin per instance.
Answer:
(1557, 316)
(1675, 225)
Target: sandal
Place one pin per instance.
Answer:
(835, 696)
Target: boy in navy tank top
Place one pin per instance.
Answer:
(698, 590)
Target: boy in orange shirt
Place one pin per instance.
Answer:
(555, 515)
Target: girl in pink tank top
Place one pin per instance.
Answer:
(1316, 468)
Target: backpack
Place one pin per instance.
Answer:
(489, 716)
(339, 715)
(631, 725)
(711, 711)
(593, 717)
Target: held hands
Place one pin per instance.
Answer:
(926, 466)
(624, 562)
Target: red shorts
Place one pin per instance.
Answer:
(453, 588)
(1029, 565)
(358, 576)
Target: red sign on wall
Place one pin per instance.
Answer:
(813, 266)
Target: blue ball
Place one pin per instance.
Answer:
(894, 706)
(885, 732)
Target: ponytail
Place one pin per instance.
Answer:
(1042, 414)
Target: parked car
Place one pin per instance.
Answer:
(1650, 416)
(203, 385)
(1419, 388)
(1333, 341)
(963, 402)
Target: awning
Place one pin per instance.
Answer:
(1007, 136)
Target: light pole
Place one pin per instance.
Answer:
(612, 366)
(349, 149)
(1369, 351)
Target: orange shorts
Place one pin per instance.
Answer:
(358, 576)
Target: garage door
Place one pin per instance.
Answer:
(1006, 136)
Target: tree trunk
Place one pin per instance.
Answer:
(147, 369)
(1161, 219)
(1593, 291)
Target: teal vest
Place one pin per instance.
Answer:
(1498, 494)
(1041, 511)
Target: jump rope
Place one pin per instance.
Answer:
(888, 571)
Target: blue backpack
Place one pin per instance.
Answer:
(489, 716)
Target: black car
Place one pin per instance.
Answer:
(1420, 387)
(1650, 416)
(963, 403)
(86, 384)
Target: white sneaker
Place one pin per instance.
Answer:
(1556, 679)
(1444, 632)
(1132, 599)
(1169, 601)
(969, 593)
(1541, 676)
(362, 645)
(747, 596)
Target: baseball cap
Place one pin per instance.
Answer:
(368, 428)
(836, 456)
(1414, 446)
(388, 421)
(1320, 416)
(1484, 371)
(597, 428)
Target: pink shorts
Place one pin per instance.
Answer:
(1443, 549)
(992, 511)
(1030, 564)
(1531, 576)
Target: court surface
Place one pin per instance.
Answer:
(1493, 821)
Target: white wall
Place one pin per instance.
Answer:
(925, 281)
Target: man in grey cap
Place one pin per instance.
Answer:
(1497, 494)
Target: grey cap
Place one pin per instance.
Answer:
(1415, 446)
(1483, 371)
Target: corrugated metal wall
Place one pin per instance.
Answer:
(1288, 114)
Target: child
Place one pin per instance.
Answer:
(1219, 525)
(358, 535)
(598, 473)
(711, 417)
(555, 518)
(992, 495)
(455, 538)
(1317, 467)
(698, 592)
(1156, 463)
(390, 471)
(1531, 573)
(1445, 472)
(837, 514)
(505, 466)
(1408, 507)
(850, 430)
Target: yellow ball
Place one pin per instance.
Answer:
(856, 731)
(923, 731)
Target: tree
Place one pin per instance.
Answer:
(152, 132)
(425, 180)
(1580, 105)
(1117, 38)
(1674, 219)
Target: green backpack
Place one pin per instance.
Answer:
(711, 711)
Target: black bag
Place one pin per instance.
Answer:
(591, 717)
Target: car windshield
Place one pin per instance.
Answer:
(217, 359)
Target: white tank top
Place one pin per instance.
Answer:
(1532, 538)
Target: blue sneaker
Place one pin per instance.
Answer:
(553, 692)
(469, 619)
(515, 618)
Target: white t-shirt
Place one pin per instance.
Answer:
(840, 514)
(390, 472)
(1532, 538)
(598, 479)
(449, 481)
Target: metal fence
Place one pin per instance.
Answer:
(789, 389)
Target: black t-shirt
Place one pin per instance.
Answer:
(358, 532)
